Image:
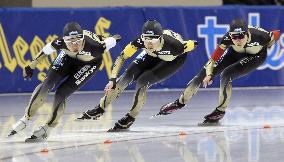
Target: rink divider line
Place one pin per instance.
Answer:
(158, 90)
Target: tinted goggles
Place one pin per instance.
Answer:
(235, 36)
(76, 40)
(152, 38)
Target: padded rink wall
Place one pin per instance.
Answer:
(23, 32)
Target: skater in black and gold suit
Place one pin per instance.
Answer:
(242, 50)
(79, 59)
(164, 53)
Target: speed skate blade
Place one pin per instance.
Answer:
(12, 133)
(117, 130)
(208, 124)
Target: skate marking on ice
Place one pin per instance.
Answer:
(81, 138)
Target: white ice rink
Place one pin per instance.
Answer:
(252, 130)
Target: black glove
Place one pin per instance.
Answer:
(114, 82)
(28, 72)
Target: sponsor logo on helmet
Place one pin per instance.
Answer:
(73, 33)
(150, 32)
(238, 30)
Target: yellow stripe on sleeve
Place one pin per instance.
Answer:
(189, 46)
(129, 50)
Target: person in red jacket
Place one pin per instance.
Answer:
(242, 50)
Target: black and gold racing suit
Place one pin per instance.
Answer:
(147, 68)
(68, 72)
(235, 62)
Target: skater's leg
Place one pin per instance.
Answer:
(232, 72)
(37, 100)
(160, 72)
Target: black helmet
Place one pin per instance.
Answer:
(152, 28)
(238, 26)
(72, 29)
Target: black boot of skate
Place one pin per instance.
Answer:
(93, 114)
(34, 139)
(123, 124)
(170, 108)
(213, 118)
(39, 135)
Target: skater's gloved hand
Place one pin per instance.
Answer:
(207, 80)
(117, 37)
(28, 73)
(110, 86)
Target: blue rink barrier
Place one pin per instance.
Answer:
(23, 32)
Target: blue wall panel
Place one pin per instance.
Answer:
(25, 31)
